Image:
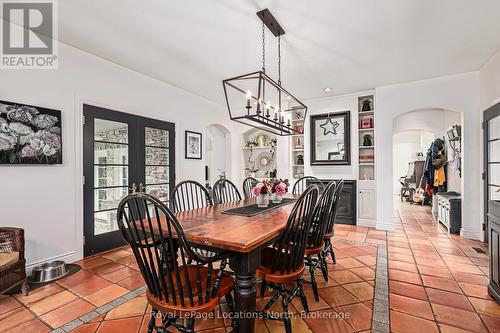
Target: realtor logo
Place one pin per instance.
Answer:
(29, 34)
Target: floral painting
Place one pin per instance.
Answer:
(29, 134)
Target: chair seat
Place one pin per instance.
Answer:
(328, 235)
(314, 250)
(265, 269)
(8, 258)
(227, 284)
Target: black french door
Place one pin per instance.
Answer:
(491, 165)
(122, 153)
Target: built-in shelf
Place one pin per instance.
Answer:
(366, 154)
(265, 147)
(297, 147)
(366, 113)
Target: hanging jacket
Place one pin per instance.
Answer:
(428, 173)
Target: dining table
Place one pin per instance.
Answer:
(244, 236)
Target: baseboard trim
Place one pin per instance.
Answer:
(470, 234)
(384, 226)
(365, 223)
(69, 257)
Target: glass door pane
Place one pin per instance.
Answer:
(111, 172)
(157, 163)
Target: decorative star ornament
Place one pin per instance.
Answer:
(330, 127)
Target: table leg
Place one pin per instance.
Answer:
(244, 266)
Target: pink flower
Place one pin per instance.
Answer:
(281, 189)
(256, 191)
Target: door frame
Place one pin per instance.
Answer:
(488, 114)
(87, 153)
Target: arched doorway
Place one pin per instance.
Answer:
(413, 134)
(217, 153)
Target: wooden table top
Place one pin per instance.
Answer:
(209, 226)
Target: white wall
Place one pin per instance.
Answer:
(47, 200)
(489, 76)
(406, 145)
(455, 93)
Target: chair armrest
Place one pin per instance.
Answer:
(12, 239)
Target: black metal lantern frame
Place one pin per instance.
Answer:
(268, 106)
(257, 112)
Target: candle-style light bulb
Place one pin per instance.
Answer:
(249, 96)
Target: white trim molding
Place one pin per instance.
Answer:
(471, 234)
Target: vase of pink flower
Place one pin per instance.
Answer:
(279, 189)
(261, 192)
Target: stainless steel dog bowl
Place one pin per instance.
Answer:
(49, 271)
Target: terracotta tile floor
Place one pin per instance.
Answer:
(436, 284)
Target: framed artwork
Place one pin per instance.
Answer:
(29, 134)
(330, 138)
(193, 145)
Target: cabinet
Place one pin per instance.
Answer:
(366, 208)
(450, 211)
(366, 202)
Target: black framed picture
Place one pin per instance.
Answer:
(193, 145)
(29, 134)
(330, 138)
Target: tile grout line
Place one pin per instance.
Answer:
(381, 313)
(83, 319)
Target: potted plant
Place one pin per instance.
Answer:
(261, 192)
(367, 140)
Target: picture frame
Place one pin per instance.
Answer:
(330, 138)
(193, 145)
(30, 135)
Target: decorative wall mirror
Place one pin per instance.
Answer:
(330, 138)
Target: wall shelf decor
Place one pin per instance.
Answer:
(259, 153)
(29, 134)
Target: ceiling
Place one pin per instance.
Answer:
(348, 45)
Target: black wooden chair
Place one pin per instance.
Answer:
(315, 239)
(248, 185)
(225, 191)
(174, 288)
(188, 195)
(283, 263)
(330, 226)
(302, 183)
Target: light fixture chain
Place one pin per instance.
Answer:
(279, 60)
(263, 48)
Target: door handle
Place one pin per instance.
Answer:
(142, 188)
(133, 189)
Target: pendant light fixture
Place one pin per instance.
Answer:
(257, 100)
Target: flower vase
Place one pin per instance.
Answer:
(277, 198)
(262, 200)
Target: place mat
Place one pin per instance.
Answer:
(252, 210)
